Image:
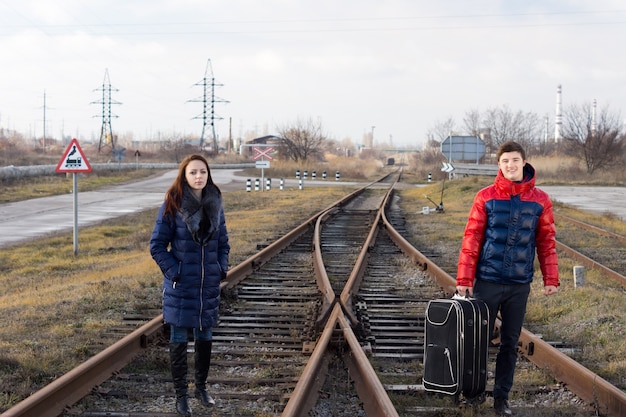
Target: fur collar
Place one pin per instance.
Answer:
(202, 217)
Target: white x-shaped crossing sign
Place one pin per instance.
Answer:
(260, 153)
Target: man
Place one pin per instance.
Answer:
(509, 221)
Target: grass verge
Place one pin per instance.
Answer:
(56, 306)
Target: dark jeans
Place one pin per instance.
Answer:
(510, 300)
(180, 334)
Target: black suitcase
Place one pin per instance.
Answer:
(456, 346)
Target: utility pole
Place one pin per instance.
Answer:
(208, 100)
(44, 122)
(106, 132)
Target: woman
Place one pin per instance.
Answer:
(190, 245)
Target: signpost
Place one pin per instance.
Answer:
(74, 161)
(260, 153)
(463, 148)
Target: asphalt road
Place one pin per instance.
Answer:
(25, 220)
(599, 200)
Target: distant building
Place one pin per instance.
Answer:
(246, 149)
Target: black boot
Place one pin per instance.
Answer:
(178, 363)
(202, 360)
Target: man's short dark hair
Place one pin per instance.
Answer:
(511, 146)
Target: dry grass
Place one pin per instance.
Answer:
(567, 170)
(34, 187)
(55, 306)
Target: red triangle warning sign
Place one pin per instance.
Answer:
(73, 159)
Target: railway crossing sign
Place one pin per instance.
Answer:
(260, 153)
(73, 159)
(263, 153)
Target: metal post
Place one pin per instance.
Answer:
(579, 276)
(75, 186)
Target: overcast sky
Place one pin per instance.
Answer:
(398, 65)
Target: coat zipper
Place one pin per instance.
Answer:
(201, 288)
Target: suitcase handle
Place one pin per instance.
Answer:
(458, 296)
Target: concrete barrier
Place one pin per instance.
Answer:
(11, 171)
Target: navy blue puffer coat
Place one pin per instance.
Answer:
(192, 268)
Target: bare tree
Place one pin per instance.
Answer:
(503, 124)
(441, 129)
(303, 140)
(594, 139)
(472, 122)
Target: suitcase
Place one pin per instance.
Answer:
(456, 345)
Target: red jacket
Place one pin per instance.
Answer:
(508, 222)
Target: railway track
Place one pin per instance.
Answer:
(326, 321)
(596, 248)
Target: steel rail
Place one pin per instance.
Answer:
(376, 401)
(305, 394)
(370, 390)
(590, 263)
(51, 400)
(356, 276)
(590, 227)
(323, 282)
(254, 262)
(587, 385)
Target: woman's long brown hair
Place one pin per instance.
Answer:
(174, 194)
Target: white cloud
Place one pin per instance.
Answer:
(399, 65)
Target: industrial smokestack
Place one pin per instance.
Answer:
(558, 120)
(593, 117)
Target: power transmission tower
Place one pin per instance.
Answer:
(106, 133)
(208, 100)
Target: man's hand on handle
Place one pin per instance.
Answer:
(462, 290)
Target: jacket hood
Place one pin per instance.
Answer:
(514, 187)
